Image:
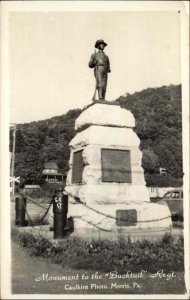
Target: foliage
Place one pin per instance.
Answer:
(39, 142)
(150, 161)
(157, 180)
(105, 255)
(46, 191)
(38, 221)
(158, 116)
(157, 112)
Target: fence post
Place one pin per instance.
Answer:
(20, 206)
(60, 209)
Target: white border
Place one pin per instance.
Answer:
(41, 6)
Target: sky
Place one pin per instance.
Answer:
(49, 54)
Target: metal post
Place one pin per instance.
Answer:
(60, 209)
(20, 206)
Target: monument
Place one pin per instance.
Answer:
(105, 183)
(100, 62)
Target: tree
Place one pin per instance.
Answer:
(157, 113)
(150, 161)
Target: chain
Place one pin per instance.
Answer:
(41, 219)
(35, 202)
(29, 218)
(89, 222)
(45, 214)
(141, 221)
(100, 213)
(107, 230)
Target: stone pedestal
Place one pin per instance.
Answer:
(105, 183)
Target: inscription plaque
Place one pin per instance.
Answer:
(126, 217)
(78, 167)
(116, 165)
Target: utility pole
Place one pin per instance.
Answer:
(13, 159)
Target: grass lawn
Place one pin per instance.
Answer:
(26, 269)
(86, 278)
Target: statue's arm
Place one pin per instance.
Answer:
(92, 62)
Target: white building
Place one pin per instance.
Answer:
(158, 192)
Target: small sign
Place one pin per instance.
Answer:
(59, 202)
(127, 217)
(15, 179)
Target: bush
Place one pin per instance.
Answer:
(45, 192)
(48, 189)
(34, 193)
(162, 181)
(167, 255)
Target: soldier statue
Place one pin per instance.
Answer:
(100, 62)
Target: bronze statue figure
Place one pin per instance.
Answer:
(100, 62)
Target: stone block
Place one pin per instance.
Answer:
(105, 115)
(102, 135)
(103, 217)
(110, 148)
(109, 193)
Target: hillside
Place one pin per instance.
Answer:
(158, 124)
(158, 116)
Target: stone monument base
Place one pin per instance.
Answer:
(105, 183)
(134, 235)
(144, 220)
(102, 222)
(109, 217)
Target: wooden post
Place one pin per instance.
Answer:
(13, 160)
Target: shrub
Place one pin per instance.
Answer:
(162, 181)
(45, 192)
(166, 255)
(48, 189)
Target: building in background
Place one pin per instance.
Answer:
(158, 192)
(52, 173)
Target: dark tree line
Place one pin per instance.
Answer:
(39, 142)
(158, 116)
(157, 112)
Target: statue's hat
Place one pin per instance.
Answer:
(98, 42)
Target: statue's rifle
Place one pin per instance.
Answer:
(96, 85)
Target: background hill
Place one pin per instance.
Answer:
(158, 124)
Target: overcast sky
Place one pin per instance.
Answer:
(50, 51)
